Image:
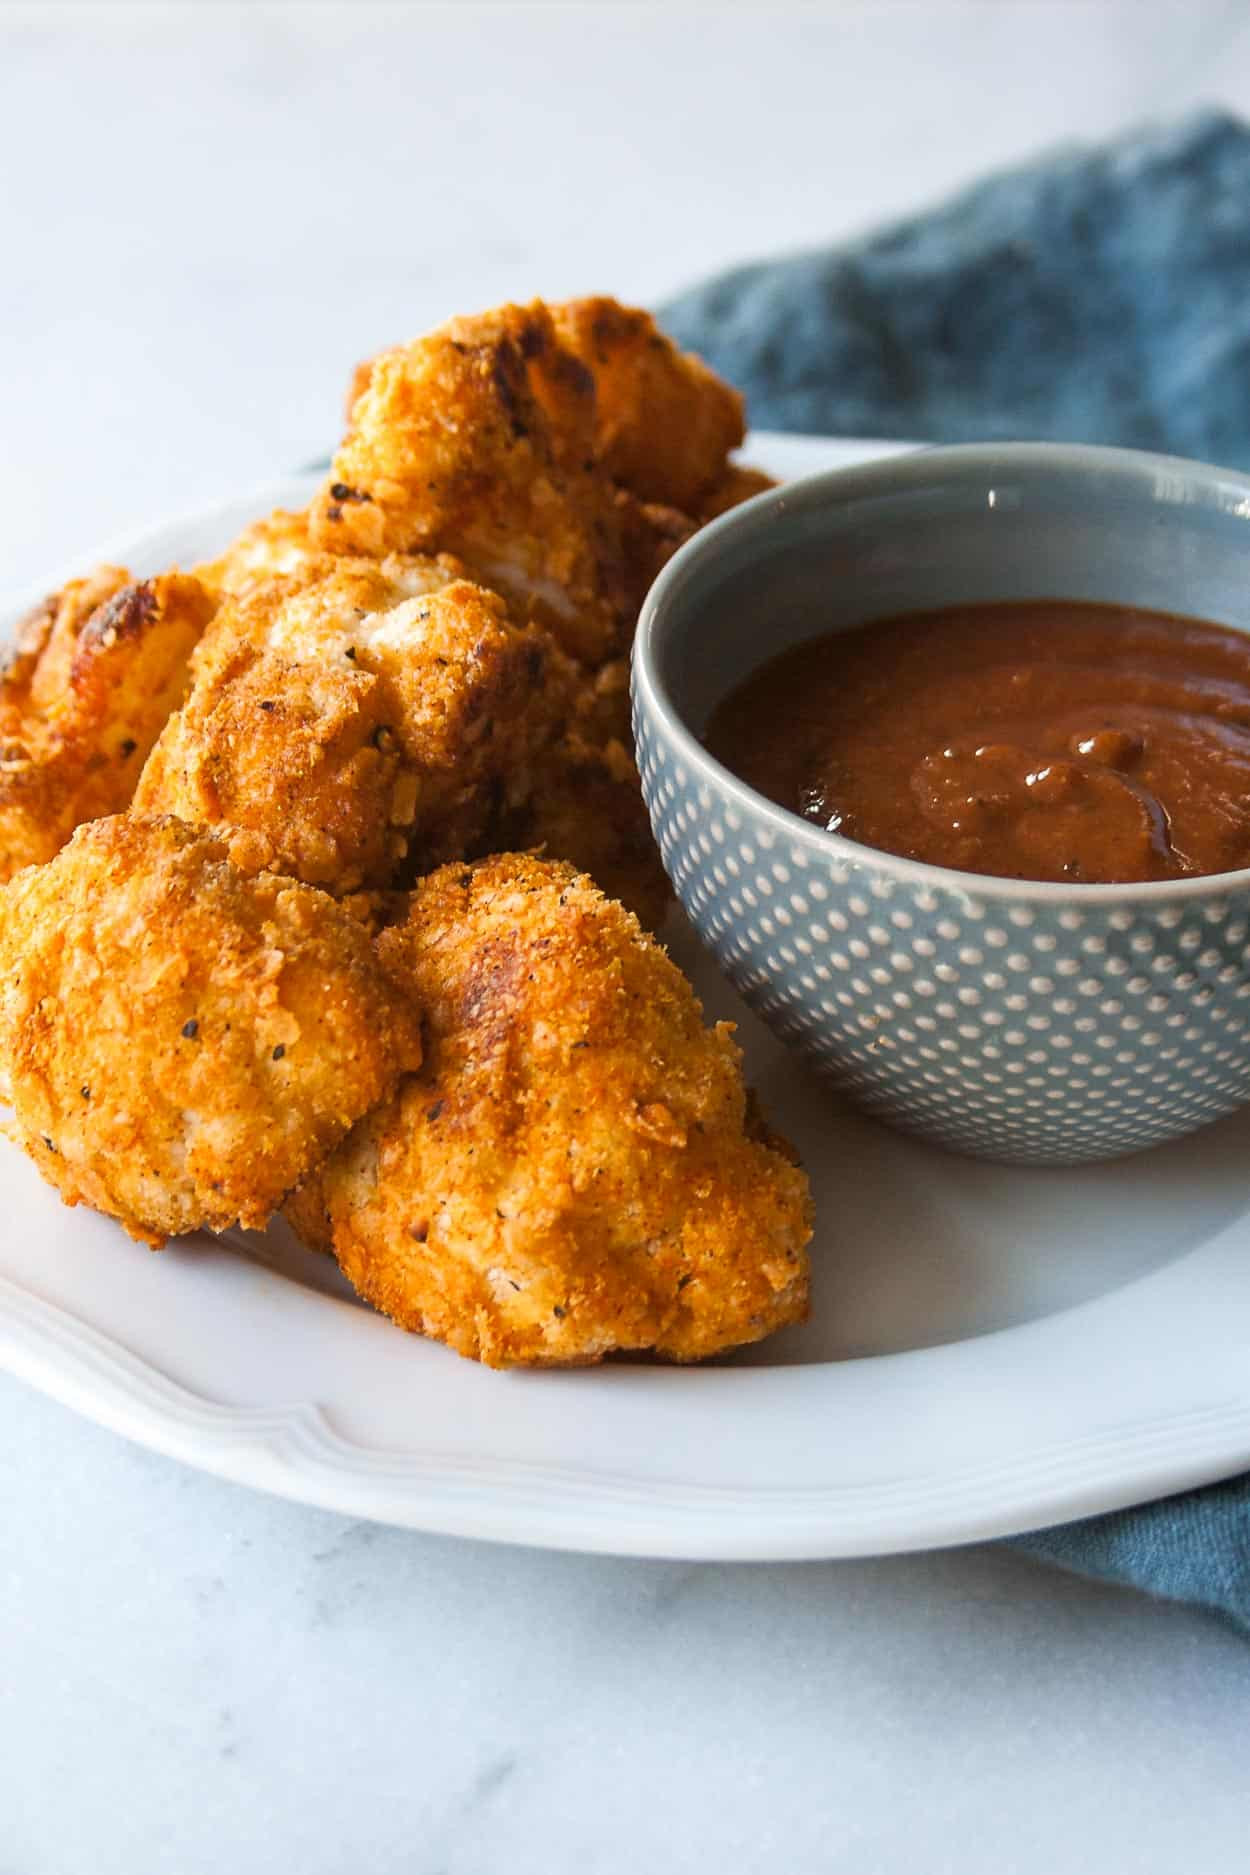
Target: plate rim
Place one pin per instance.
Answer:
(296, 1451)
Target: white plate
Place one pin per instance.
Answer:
(990, 1349)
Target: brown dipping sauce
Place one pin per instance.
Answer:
(1041, 740)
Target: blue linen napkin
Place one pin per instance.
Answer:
(1093, 296)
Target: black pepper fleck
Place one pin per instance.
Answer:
(190, 1030)
(433, 1112)
(279, 1051)
(128, 748)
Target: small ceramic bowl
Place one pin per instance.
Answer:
(1032, 1022)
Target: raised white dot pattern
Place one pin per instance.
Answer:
(1014, 1031)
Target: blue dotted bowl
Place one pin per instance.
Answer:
(1046, 1024)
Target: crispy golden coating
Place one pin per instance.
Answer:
(357, 385)
(35, 679)
(183, 1043)
(92, 676)
(585, 802)
(585, 805)
(478, 440)
(650, 536)
(574, 1169)
(564, 452)
(360, 722)
(665, 423)
(738, 484)
(278, 544)
(602, 712)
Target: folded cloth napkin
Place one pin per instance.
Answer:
(1096, 296)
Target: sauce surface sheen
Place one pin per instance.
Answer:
(1045, 739)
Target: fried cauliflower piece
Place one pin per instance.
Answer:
(361, 722)
(564, 452)
(665, 422)
(585, 802)
(738, 484)
(182, 1043)
(278, 544)
(585, 805)
(602, 711)
(574, 1169)
(34, 680)
(92, 676)
(478, 440)
(650, 536)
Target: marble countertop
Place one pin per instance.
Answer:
(209, 213)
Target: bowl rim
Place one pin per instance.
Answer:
(913, 469)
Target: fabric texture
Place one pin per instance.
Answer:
(1097, 295)
(1192, 1548)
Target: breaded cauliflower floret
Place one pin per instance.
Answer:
(478, 440)
(665, 423)
(278, 544)
(564, 452)
(575, 1168)
(182, 1043)
(585, 803)
(650, 535)
(738, 484)
(360, 722)
(90, 680)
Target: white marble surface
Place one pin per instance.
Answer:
(207, 214)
